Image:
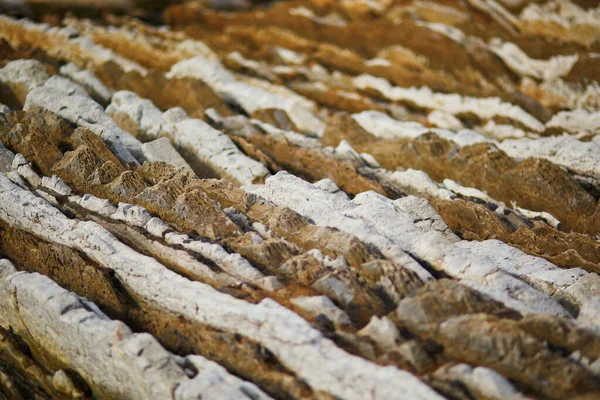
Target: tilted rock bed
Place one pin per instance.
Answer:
(300, 200)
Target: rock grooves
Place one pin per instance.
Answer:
(263, 201)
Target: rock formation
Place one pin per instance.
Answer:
(300, 200)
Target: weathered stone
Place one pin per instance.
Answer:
(210, 152)
(89, 81)
(443, 223)
(162, 150)
(374, 219)
(83, 111)
(18, 78)
(233, 315)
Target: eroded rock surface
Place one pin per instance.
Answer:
(300, 200)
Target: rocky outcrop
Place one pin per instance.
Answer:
(255, 200)
(211, 152)
(484, 166)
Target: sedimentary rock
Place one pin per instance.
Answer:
(299, 200)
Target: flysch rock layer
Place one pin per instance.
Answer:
(374, 219)
(435, 233)
(250, 95)
(485, 167)
(113, 361)
(301, 348)
(193, 137)
(84, 111)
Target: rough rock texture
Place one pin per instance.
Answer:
(71, 333)
(300, 200)
(211, 152)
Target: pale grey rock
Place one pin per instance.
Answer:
(503, 131)
(468, 192)
(325, 209)
(540, 215)
(84, 111)
(592, 365)
(157, 227)
(64, 384)
(315, 305)
(483, 380)
(299, 347)
(57, 185)
(186, 262)
(571, 18)
(89, 81)
(232, 263)
(589, 313)
(454, 104)
(424, 215)
(18, 160)
(133, 215)
(161, 149)
(250, 94)
(577, 156)
(17, 179)
(174, 238)
(444, 120)
(289, 56)
(4, 109)
(332, 20)
(576, 121)
(263, 230)
(174, 115)
(416, 182)
(6, 268)
(47, 196)
(239, 218)
(328, 185)
(66, 85)
(255, 237)
(269, 283)
(106, 353)
(334, 288)
(467, 137)
(6, 159)
(586, 287)
(345, 151)
(97, 205)
(447, 30)
(37, 308)
(213, 382)
(190, 136)
(213, 116)
(141, 112)
(75, 199)
(334, 263)
(382, 331)
(539, 273)
(23, 75)
(519, 62)
(23, 168)
(369, 160)
(567, 95)
(383, 126)
(216, 149)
